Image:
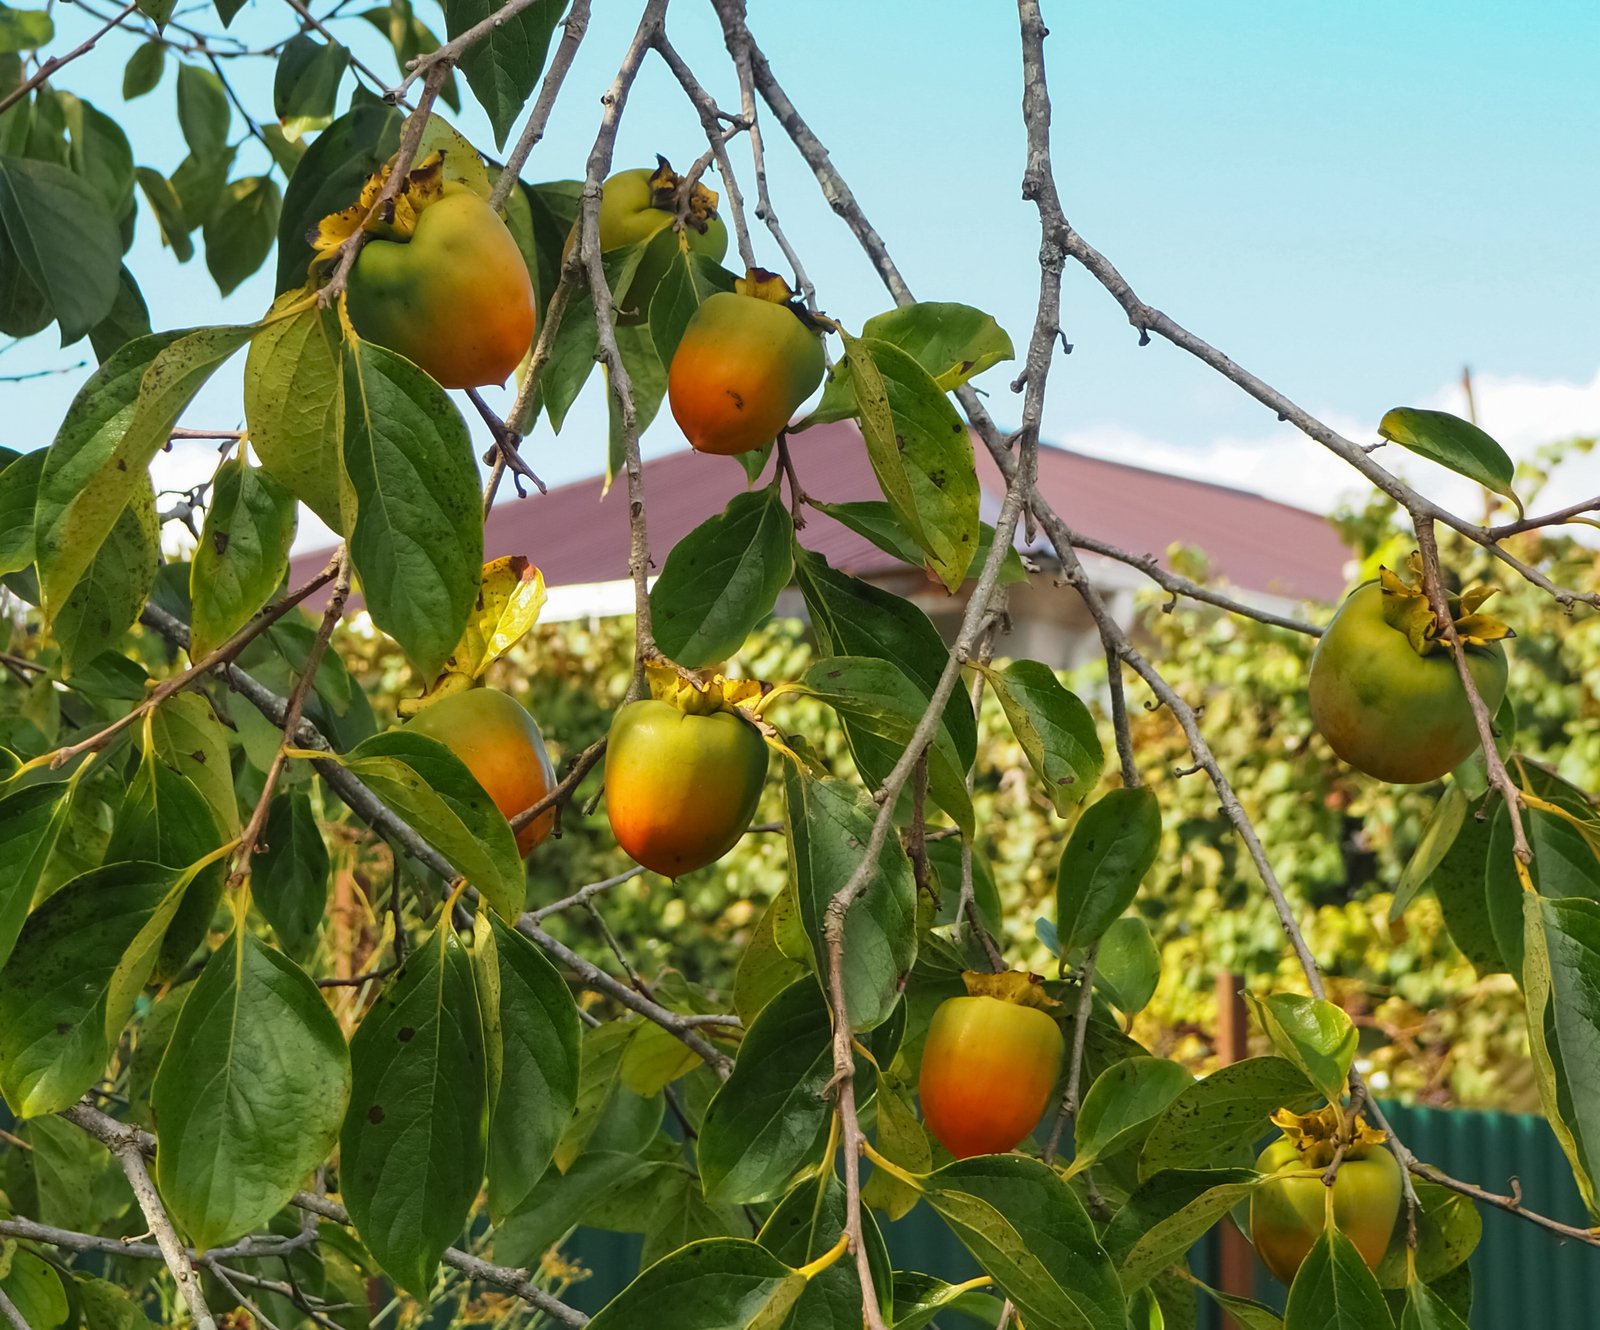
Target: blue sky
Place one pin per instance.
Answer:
(1353, 200)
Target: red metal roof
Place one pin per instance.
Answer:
(1255, 543)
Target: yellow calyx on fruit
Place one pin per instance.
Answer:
(1407, 610)
(1018, 987)
(764, 285)
(702, 202)
(715, 691)
(1316, 1136)
(396, 220)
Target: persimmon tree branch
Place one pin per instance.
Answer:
(56, 62)
(712, 119)
(138, 1144)
(587, 248)
(123, 1142)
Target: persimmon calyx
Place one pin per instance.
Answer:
(396, 220)
(1407, 610)
(700, 208)
(1018, 987)
(1317, 1136)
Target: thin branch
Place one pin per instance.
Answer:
(1569, 513)
(587, 248)
(584, 894)
(582, 765)
(966, 913)
(13, 1317)
(1119, 717)
(220, 656)
(575, 24)
(446, 56)
(55, 62)
(712, 118)
(291, 720)
(123, 1142)
(1071, 1098)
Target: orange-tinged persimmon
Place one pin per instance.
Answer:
(500, 744)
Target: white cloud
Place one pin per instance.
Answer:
(1523, 414)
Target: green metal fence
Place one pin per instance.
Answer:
(1523, 1277)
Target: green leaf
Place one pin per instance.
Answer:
(921, 453)
(1028, 1229)
(1449, 1228)
(240, 233)
(19, 489)
(1559, 977)
(289, 877)
(901, 1139)
(1564, 865)
(112, 591)
(1228, 1111)
(431, 788)
(1315, 1035)
(329, 176)
(722, 579)
(769, 1118)
(291, 404)
(1454, 443)
(1444, 824)
(80, 1186)
(99, 153)
(35, 1290)
(539, 1036)
(144, 70)
(594, 1185)
(503, 68)
(417, 542)
(719, 1284)
(853, 618)
(1426, 1310)
(878, 698)
(243, 552)
(1334, 1290)
(1055, 730)
(107, 1307)
(690, 278)
(24, 29)
(1110, 850)
(117, 424)
(129, 319)
(764, 969)
(829, 824)
(805, 1225)
(253, 1097)
(1123, 1104)
(203, 110)
(68, 988)
(1458, 883)
(306, 84)
(30, 821)
(599, 1070)
(952, 342)
(166, 820)
(874, 520)
(919, 1298)
(190, 739)
(168, 209)
(1170, 1213)
(648, 377)
(412, 1148)
(64, 238)
(1247, 1315)
(1127, 964)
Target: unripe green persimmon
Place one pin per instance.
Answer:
(1288, 1214)
(1385, 709)
(743, 368)
(680, 788)
(455, 298)
(500, 744)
